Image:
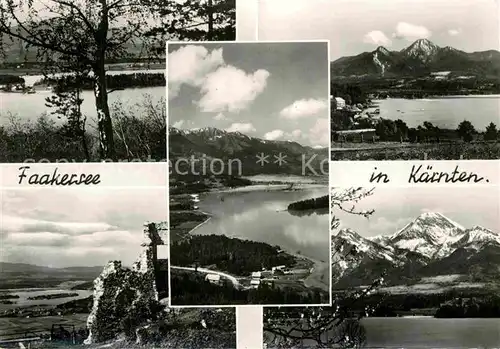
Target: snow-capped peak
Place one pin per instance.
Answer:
(432, 220)
(478, 227)
(364, 245)
(430, 234)
(383, 50)
(476, 236)
(349, 234)
(437, 216)
(435, 236)
(422, 49)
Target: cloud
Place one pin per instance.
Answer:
(241, 127)
(318, 134)
(303, 108)
(454, 32)
(231, 89)
(411, 32)
(26, 225)
(274, 135)
(37, 239)
(277, 134)
(178, 124)
(108, 238)
(223, 87)
(377, 37)
(189, 65)
(220, 117)
(76, 227)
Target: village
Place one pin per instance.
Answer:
(278, 275)
(362, 118)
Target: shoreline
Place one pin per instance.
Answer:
(313, 279)
(267, 187)
(431, 96)
(209, 217)
(315, 276)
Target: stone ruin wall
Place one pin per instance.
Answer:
(119, 291)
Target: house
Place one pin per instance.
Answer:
(279, 267)
(266, 273)
(213, 278)
(362, 135)
(256, 275)
(255, 283)
(340, 103)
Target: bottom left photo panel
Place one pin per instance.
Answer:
(89, 267)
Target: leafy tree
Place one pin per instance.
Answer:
(466, 131)
(491, 132)
(402, 129)
(89, 32)
(331, 326)
(67, 103)
(431, 131)
(202, 20)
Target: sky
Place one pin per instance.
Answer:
(396, 206)
(356, 26)
(273, 91)
(77, 227)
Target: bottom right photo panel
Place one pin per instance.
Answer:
(412, 267)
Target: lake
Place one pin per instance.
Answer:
(428, 332)
(444, 112)
(31, 106)
(259, 216)
(23, 294)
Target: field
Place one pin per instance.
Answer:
(407, 151)
(24, 325)
(184, 333)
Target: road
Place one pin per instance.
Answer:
(234, 280)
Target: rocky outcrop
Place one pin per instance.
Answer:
(127, 298)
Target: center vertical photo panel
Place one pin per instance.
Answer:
(248, 148)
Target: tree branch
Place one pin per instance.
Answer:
(80, 13)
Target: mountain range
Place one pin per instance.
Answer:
(23, 275)
(422, 57)
(214, 143)
(431, 245)
(17, 51)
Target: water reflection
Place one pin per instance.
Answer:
(302, 213)
(263, 216)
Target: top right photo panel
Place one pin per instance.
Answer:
(410, 79)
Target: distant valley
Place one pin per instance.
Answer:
(21, 275)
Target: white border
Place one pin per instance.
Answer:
(207, 43)
(330, 164)
(357, 173)
(107, 171)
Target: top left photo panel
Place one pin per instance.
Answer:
(84, 80)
